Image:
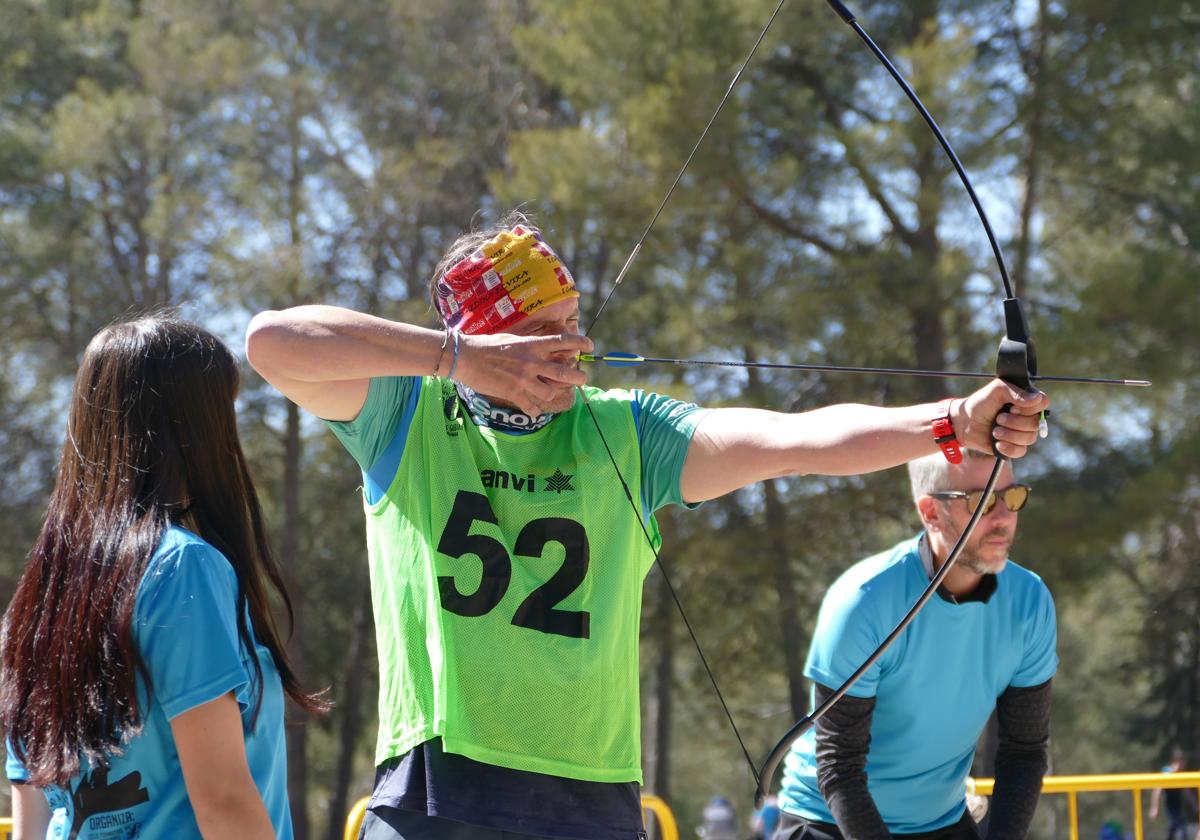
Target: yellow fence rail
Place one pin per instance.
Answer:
(1072, 786)
(667, 829)
(355, 819)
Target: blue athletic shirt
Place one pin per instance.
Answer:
(934, 689)
(431, 781)
(186, 629)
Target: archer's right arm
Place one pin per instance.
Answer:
(324, 357)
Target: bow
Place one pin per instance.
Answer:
(1016, 363)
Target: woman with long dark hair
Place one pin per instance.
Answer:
(143, 673)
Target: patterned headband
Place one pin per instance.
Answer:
(509, 277)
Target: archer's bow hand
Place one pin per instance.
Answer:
(524, 371)
(1000, 412)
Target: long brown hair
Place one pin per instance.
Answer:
(151, 440)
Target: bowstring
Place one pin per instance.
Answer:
(604, 303)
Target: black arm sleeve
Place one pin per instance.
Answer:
(843, 737)
(1024, 718)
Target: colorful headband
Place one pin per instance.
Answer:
(509, 277)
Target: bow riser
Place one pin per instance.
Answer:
(1016, 360)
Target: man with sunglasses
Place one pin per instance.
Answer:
(892, 758)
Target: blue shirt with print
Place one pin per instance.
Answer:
(934, 689)
(185, 627)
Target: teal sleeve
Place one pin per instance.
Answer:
(665, 428)
(17, 774)
(1040, 661)
(848, 631)
(368, 435)
(185, 625)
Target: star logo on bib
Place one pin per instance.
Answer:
(559, 482)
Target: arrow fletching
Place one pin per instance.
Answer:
(613, 359)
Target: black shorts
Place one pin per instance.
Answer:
(383, 823)
(457, 790)
(792, 827)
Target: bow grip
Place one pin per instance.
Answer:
(1016, 360)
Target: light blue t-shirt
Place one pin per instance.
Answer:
(185, 626)
(934, 688)
(376, 437)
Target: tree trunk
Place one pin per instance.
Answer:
(351, 702)
(1033, 154)
(658, 757)
(297, 729)
(926, 304)
(791, 633)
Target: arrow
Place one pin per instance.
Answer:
(617, 359)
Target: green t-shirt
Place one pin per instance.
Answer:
(507, 574)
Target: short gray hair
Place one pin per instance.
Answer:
(932, 473)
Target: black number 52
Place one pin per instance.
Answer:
(539, 610)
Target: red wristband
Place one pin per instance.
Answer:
(943, 433)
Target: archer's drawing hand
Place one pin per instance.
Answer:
(528, 372)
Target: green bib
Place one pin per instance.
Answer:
(506, 576)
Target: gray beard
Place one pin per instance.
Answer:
(971, 561)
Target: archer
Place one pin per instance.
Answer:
(507, 621)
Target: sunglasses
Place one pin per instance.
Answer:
(1014, 498)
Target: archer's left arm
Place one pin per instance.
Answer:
(1024, 718)
(734, 447)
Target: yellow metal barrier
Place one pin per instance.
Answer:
(1135, 783)
(355, 819)
(667, 829)
(6, 828)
